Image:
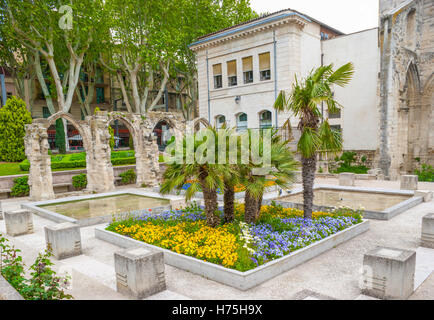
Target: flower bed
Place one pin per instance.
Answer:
(237, 245)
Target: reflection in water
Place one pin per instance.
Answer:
(334, 198)
(105, 206)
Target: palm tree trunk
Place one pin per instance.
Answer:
(250, 208)
(229, 198)
(308, 175)
(211, 204)
(258, 206)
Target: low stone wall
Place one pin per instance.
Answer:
(62, 180)
(7, 292)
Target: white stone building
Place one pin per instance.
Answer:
(242, 69)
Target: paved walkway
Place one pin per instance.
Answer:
(333, 274)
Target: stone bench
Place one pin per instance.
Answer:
(62, 187)
(5, 193)
(388, 273)
(18, 222)
(139, 272)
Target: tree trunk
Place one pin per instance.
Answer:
(211, 204)
(258, 206)
(250, 207)
(308, 175)
(228, 198)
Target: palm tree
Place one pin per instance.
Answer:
(315, 137)
(281, 172)
(204, 176)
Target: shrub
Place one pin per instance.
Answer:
(128, 177)
(60, 136)
(79, 181)
(425, 173)
(13, 118)
(21, 187)
(131, 143)
(112, 138)
(346, 160)
(43, 284)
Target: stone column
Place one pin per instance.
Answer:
(409, 182)
(36, 149)
(64, 239)
(347, 179)
(100, 176)
(18, 222)
(147, 166)
(427, 232)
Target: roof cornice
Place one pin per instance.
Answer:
(250, 28)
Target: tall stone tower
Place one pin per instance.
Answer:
(406, 85)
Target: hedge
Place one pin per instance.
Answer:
(25, 165)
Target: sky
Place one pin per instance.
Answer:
(347, 16)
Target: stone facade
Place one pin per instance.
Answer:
(406, 40)
(96, 142)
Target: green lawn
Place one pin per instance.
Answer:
(10, 168)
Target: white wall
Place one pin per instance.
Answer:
(359, 117)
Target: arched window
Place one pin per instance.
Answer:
(241, 122)
(220, 121)
(265, 119)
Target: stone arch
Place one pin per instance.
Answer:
(79, 125)
(409, 119)
(200, 121)
(129, 123)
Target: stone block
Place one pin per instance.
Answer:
(426, 194)
(388, 273)
(178, 204)
(139, 272)
(409, 182)
(64, 239)
(1, 211)
(347, 179)
(18, 222)
(427, 232)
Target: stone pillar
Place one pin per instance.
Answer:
(139, 272)
(388, 273)
(409, 182)
(427, 232)
(147, 166)
(100, 176)
(64, 239)
(18, 222)
(36, 149)
(346, 179)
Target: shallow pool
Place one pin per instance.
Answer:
(105, 206)
(353, 199)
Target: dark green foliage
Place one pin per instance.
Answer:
(79, 182)
(43, 283)
(346, 163)
(78, 160)
(425, 173)
(60, 136)
(21, 187)
(131, 143)
(128, 177)
(13, 118)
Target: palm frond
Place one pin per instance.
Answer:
(343, 75)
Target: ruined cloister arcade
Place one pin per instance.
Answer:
(94, 131)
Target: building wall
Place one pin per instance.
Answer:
(359, 117)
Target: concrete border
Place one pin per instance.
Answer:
(239, 280)
(35, 208)
(7, 292)
(386, 214)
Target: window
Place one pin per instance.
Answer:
(335, 115)
(336, 127)
(45, 112)
(99, 95)
(324, 36)
(220, 121)
(242, 122)
(264, 66)
(265, 119)
(217, 72)
(232, 73)
(248, 70)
